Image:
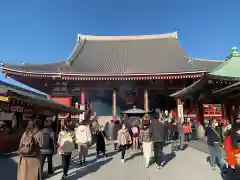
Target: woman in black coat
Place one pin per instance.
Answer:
(100, 141)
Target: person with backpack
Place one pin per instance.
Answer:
(49, 146)
(66, 145)
(29, 167)
(232, 149)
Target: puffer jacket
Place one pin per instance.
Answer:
(83, 134)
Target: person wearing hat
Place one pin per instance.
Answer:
(145, 139)
(232, 150)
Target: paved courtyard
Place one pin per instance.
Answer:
(189, 164)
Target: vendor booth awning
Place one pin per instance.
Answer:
(35, 99)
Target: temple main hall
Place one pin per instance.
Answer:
(115, 73)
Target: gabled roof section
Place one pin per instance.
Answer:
(122, 55)
(230, 68)
(151, 54)
(191, 89)
(205, 64)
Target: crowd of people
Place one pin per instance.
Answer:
(38, 144)
(150, 135)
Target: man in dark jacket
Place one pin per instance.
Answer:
(49, 146)
(157, 134)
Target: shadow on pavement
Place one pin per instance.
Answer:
(136, 154)
(8, 169)
(88, 169)
(185, 146)
(200, 145)
(167, 158)
(109, 154)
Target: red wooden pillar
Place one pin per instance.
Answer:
(114, 105)
(91, 109)
(83, 93)
(200, 113)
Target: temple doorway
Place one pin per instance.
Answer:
(162, 101)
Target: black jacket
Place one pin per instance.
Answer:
(158, 131)
(213, 137)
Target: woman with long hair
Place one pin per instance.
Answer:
(29, 167)
(100, 141)
(66, 144)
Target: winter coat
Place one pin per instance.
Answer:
(124, 137)
(144, 135)
(100, 143)
(83, 134)
(157, 131)
(61, 135)
(29, 167)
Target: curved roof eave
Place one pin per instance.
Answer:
(96, 75)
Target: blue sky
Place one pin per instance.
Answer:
(46, 30)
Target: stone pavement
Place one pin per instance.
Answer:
(189, 164)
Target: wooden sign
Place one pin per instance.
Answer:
(64, 116)
(17, 109)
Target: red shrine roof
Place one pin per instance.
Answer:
(114, 57)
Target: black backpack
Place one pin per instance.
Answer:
(28, 145)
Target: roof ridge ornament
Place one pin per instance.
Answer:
(235, 52)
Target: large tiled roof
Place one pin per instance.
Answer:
(150, 54)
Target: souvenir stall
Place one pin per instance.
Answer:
(17, 106)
